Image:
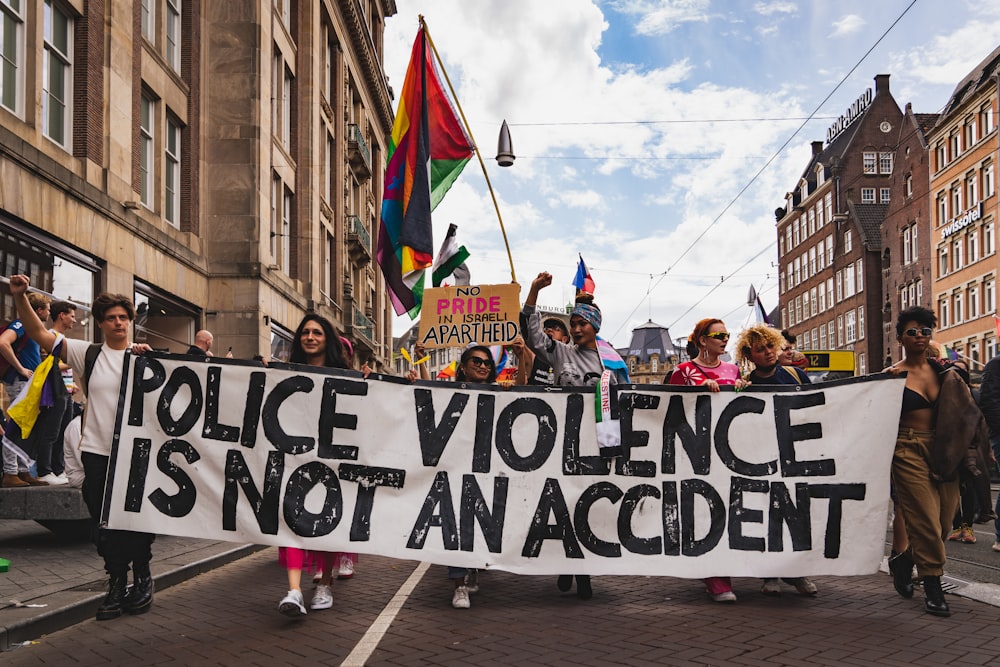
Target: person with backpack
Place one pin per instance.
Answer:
(99, 367)
(19, 356)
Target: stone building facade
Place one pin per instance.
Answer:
(964, 153)
(220, 162)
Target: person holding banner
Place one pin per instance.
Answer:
(705, 346)
(476, 366)
(99, 368)
(757, 349)
(316, 343)
(587, 362)
(939, 426)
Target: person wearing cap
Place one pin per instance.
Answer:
(535, 369)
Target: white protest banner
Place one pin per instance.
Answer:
(776, 481)
(469, 314)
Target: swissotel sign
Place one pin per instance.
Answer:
(961, 222)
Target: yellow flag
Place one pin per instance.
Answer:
(25, 411)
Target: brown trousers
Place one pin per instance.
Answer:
(928, 506)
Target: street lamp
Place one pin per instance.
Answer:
(505, 149)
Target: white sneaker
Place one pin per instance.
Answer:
(803, 585)
(460, 600)
(322, 598)
(346, 569)
(996, 546)
(63, 479)
(771, 587)
(292, 604)
(54, 480)
(724, 596)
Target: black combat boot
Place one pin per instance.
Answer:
(140, 596)
(583, 589)
(934, 597)
(901, 567)
(112, 605)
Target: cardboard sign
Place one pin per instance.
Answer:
(769, 482)
(470, 314)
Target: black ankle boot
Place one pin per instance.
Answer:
(583, 589)
(112, 605)
(564, 582)
(901, 567)
(934, 597)
(140, 596)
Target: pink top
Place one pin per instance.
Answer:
(692, 374)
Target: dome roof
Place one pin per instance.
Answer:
(649, 339)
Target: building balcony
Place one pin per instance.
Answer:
(363, 329)
(359, 241)
(359, 156)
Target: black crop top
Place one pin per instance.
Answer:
(914, 401)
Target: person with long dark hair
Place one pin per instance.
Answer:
(316, 343)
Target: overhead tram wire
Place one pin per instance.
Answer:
(720, 283)
(767, 164)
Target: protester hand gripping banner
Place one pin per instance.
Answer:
(774, 481)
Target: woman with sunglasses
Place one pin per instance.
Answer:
(316, 343)
(476, 366)
(705, 346)
(939, 432)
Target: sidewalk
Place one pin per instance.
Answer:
(67, 577)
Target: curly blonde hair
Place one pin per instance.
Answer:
(750, 338)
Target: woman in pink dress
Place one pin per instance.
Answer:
(706, 344)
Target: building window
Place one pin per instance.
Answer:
(840, 330)
(57, 74)
(920, 291)
(957, 262)
(913, 238)
(805, 305)
(829, 250)
(883, 195)
(970, 189)
(788, 237)
(862, 366)
(147, 113)
(821, 295)
(907, 256)
(149, 19)
(790, 277)
(329, 265)
(795, 233)
(885, 163)
(973, 302)
(798, 270)
(822, 337)
(829, 292)
(813, 303)
(173, 21)
(840, 286)
(942, 208)
(904, 299)
(867, 195)
(959, 308)
(654, 364)
(275, 198)
(286, 109)
(11, 55)
(784, 317)
(991, 347)
(812, 261)
(970, 131)
(859, 269)
(989, 295)
(286, 231)
(943, 312)
(829, 333)
(868, 162)
(973, 246)
(988, 180)
(849, 290)
(798, 309)
(940, 157)
(908, 185)
(848, 243)
(986, 118)
(956, 199)
(943, 260)
(954, 146)
(811, 217)
(861, 322)
(821, 255)
(172, 173)
(989, 241)
(828, 206)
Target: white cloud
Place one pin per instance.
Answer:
(948, 58)
(659, 17)
(769, 8)
(848, 25)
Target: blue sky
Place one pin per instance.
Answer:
(637, 124)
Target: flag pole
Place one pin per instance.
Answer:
(437, 57)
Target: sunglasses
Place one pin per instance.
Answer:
(925, 332)
(479, 361)
(719, 335)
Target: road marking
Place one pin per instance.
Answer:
(369, 642)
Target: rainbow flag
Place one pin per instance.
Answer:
(427, 151)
